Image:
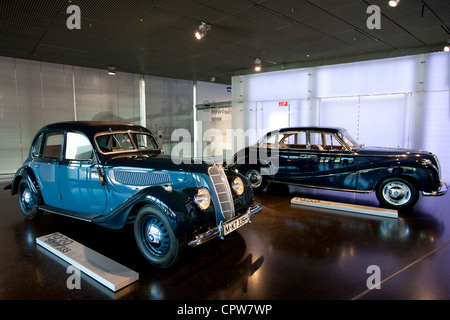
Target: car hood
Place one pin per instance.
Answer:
(382, 151)
(158, 162)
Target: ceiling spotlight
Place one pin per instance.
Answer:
(257, 65)
(203, 28)
(393, 3)
(447, 47)
(111, 71)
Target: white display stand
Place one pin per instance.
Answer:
(346, 207)
(111, 274)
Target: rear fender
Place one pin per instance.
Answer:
(27, 174)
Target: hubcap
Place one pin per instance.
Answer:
(255, 178)
(27, 199)
(396, 193)
(155, 236)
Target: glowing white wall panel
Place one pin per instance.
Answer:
(340, 112)
(290, 84)
(362, 78)
(383, 120)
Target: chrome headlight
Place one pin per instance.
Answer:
(202, 199)
(238, 186)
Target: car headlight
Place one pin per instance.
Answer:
(202, 199)
(238, 186)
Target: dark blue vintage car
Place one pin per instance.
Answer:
(111, 174)
(329, 158)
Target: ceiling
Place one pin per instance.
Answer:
(156, 37)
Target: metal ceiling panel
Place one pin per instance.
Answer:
(145, 36)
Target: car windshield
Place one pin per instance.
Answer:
(125, 142)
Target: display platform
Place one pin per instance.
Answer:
(346, 207)
(104, 270)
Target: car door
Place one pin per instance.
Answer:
(46, 167)
(82, 190)
(332, 165)
(293, 158)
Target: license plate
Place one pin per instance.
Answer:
(230, 226)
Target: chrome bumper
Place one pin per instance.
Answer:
(218, 231)
(443, 188)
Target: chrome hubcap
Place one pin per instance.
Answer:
(27, 199)
(396, 193)
(155, 236)
(255, 178)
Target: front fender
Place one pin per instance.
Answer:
(174, 204)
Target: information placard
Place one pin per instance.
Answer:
(346, 207)
(111, 274)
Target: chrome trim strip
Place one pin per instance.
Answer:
(217, 231)
(321, 187)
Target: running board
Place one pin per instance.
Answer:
(66, 213)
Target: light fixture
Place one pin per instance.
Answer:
(257, 65)
(393, 3)
(203, 28)
(447, 47)
(111, 71)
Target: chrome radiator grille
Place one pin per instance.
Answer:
(223, 191)
(141, 178)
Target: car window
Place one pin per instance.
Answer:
(325, 142)
(52, 146)
(78, 147)
(331, 143)
(295, 140)
(36, 147)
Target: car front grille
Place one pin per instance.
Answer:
(223, 191)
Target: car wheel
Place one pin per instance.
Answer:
(28, 201)
(257, 180)
(155, 238)
(397, 193)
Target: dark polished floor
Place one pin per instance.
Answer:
(288, 252)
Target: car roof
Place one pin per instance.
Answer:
(310, 128)
(93, 127)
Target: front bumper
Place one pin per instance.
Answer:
(443, 188)
(219, 230)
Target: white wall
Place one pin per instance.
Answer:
(397, 102)
(33, 94)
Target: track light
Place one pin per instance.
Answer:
(203, 28)
(393, 3)
(111, 71)
(257, 65)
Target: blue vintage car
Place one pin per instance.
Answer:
(329, 158)
(111, 174)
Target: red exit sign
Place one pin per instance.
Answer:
(283, 103)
